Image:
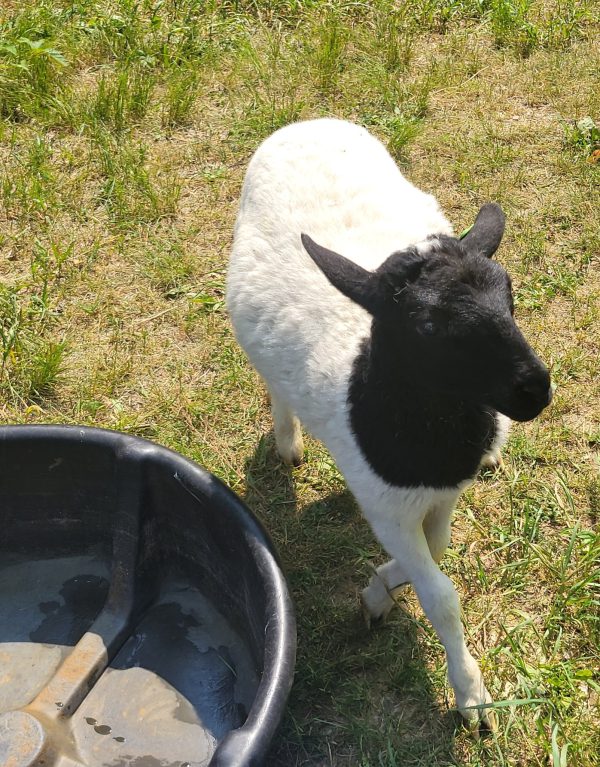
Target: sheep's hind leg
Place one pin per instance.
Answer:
(288, 433)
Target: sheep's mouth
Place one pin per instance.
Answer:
(525, 406)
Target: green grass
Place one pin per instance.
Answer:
(125, 130)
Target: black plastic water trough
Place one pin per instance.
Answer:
(144, 619)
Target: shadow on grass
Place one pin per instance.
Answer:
(360, 698)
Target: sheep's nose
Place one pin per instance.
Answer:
(538, 389)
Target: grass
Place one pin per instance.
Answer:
(125, 130)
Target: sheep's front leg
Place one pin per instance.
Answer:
(407, 543)
(493, 458)
(379, 596)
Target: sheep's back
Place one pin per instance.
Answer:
(338, 184)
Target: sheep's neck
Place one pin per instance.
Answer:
(410, 434)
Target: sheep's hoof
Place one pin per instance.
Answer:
(493, 461)
(371, 621)
(367, 617)
(376, 605)
(374, 611)
(490, 721)
(480, 720)
(487, 723)
(294, 459)
(294, 455)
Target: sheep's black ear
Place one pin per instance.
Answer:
(351, 279)
(485, 235)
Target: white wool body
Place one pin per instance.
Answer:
(337, 183)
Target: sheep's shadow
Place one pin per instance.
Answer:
(352, 684)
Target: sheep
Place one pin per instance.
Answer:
(401, 355)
